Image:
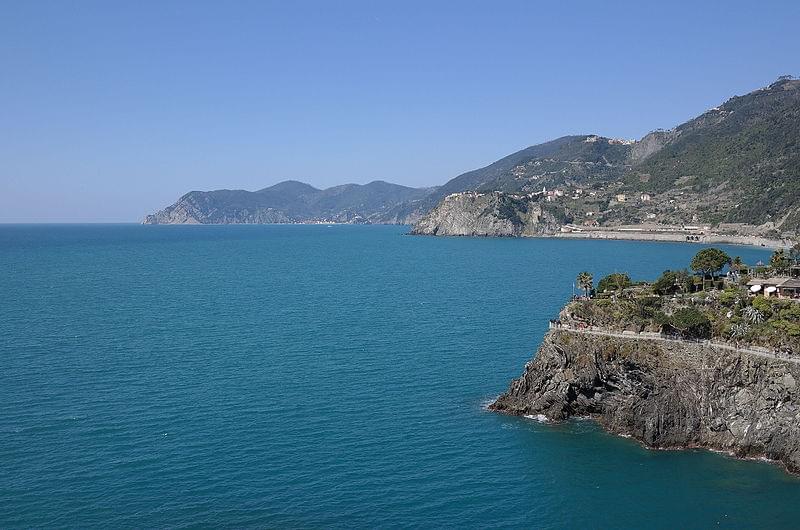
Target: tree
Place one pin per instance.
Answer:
(614, 282)
(585, 282)
(690, 323)
(709, 262)
(794, 253)
(779, 261)
(671, 282)
(736, 264)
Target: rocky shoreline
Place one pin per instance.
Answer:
(709, 239)
(748, 241)
(496, 214)
(665, 395)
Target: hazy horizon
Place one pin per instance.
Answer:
(113, 112)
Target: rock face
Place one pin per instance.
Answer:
(651, 143)
(486, 214)
(665, 394)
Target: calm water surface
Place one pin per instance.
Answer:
(317, 377)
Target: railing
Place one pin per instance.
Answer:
(652, 335)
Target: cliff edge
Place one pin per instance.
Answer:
(487, 214)
(665, 394)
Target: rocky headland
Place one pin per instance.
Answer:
(490, 214)
(666, 394)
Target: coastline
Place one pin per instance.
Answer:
(665, 396)
(662, 237)
(597, 420)
(675, 237)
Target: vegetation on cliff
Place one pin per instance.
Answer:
(701, 305)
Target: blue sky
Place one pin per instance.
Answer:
(111, 110)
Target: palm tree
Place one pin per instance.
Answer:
(585, 282)
(779, 261)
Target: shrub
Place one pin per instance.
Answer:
(791, 313)
(690, 323)
(763, 305)
(729, 297)
(671, 282)
(791, 329)
(614, 282)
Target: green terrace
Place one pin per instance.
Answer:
(716, 298)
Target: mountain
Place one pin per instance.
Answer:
(570, 158)
(736, 168)
(744, 153)
(295, 202)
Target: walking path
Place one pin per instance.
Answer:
(645, 335)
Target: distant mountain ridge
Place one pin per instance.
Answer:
(292, 202)
(736, 167)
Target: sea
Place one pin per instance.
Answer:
(321, 377)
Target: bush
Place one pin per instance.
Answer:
(690, 323)
(763, 305)
(614, 282)
(790, 329)
(648, 306)
(671, 282)
(729, 297)
(791, 313)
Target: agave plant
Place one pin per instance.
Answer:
(739, 331)
(753, 315)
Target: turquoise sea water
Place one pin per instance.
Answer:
(318, 377)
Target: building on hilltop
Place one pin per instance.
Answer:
(778, 287)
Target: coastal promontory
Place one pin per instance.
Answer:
(705, 360)
(666, 394)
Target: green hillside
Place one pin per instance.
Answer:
(746, 152)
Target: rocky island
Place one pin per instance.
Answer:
(689, 361)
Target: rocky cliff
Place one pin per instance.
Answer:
(487, 214)
(665, 394)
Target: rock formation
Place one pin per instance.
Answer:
(665, 394)
(486, 214)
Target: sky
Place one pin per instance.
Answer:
(112, 110)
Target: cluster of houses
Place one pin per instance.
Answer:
(577, 193)
(643, 197)
(777, 286)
